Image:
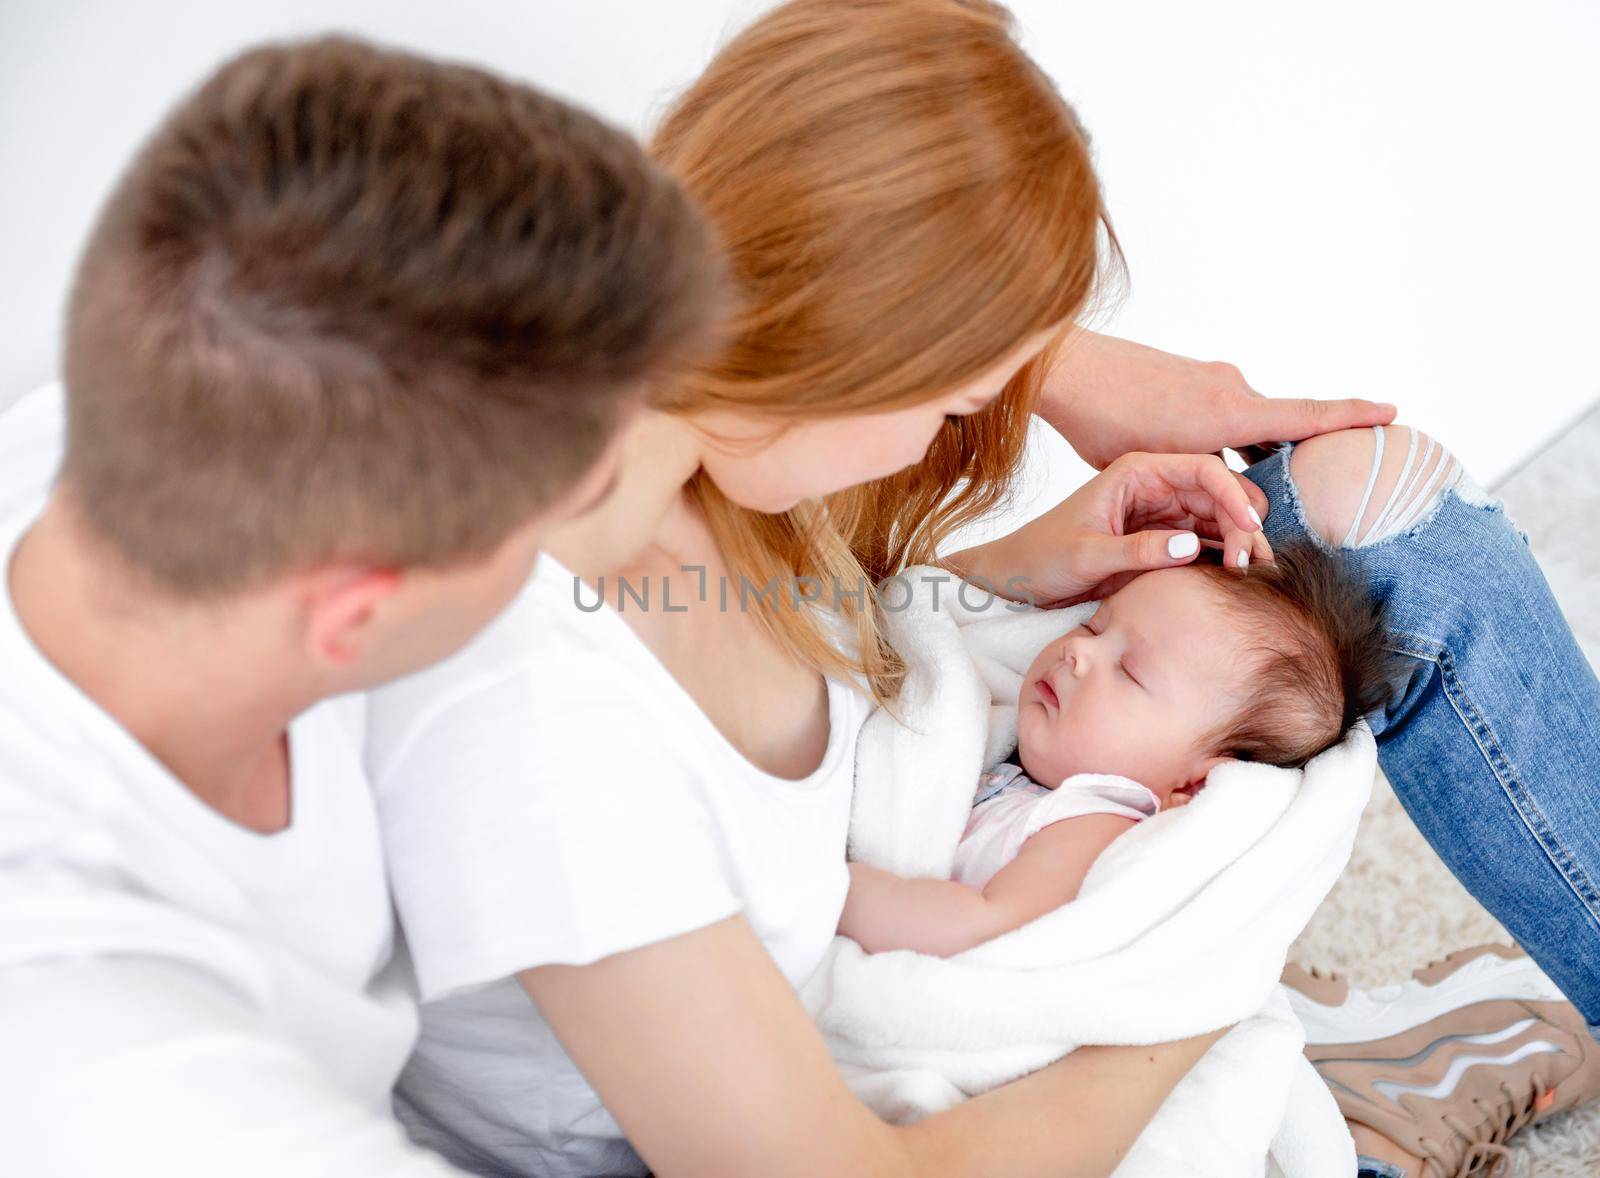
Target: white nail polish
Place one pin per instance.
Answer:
(1181, 546)
(1255, 515)
(1243, 559)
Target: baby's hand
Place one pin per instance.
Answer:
(868, 903)
(884, 911)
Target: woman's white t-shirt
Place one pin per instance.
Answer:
(552, 795)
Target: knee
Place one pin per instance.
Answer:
(1353, 494)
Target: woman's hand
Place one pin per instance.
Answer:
(1110, 396)
(1144, 511)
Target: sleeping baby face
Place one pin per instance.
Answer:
(1138, 689)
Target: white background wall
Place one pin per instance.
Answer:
(1391, 198)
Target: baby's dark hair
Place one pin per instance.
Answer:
(1319, 641)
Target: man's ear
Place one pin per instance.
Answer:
(340, 603)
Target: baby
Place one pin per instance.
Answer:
(1181, 670)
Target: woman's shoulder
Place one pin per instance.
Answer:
(552, 662)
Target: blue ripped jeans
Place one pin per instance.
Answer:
(1493, 746)
(1372, 1168)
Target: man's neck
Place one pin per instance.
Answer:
(190, 684)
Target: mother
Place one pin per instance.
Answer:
(636, 815)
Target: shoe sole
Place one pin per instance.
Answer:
(1368, 1015)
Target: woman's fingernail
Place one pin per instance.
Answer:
(1243, 559)
(1181, 546)
(1255, 515)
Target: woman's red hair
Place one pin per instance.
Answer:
(904, 198)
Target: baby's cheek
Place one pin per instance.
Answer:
(1073, 744)
(1039, 745)
(1160, 755)
(1102, 738)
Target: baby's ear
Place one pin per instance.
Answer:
(1185, 793)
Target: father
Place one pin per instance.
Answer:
(352, 330)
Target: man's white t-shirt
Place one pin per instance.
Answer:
(179, 995)
(552, 795)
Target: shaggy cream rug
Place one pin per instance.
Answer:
(1397, 907)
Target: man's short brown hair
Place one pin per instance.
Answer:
(350, 303)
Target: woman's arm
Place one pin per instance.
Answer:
(885, 911)
(701, 1051)
(1110, 396)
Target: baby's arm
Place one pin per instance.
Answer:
(940, 916)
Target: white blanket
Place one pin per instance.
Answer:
(1181, 926)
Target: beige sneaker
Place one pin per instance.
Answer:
(1452, 1063)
